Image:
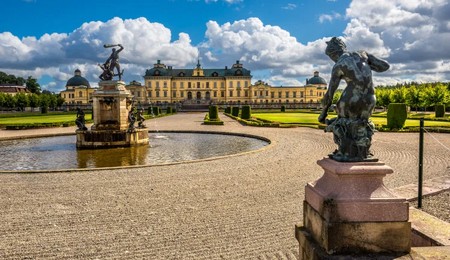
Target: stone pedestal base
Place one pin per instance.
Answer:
(349, 211)
(111, 138)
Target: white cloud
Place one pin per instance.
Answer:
(289, 6)
(58, 55)
(329, 17)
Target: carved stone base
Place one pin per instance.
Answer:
(350, 211)
(111, 138)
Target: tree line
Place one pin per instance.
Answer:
(418, 96)
(43, 99)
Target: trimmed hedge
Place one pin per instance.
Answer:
(235, 111)
(246, 112)
(213, 112)
(396, 115)
(439, 110)
(156, 111)
(283, 108)
(169, 110)
(228, 110)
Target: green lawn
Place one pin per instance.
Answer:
(311, 119)
(39, 118)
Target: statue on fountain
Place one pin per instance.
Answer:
(141, 118)
(80, 121)
(111, 63)
(352, 128)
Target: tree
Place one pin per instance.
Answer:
(383, 96)
(32, 85)
(21, 101)
(398, 95)
(414, 97)
(34, 100)
(434, 95)
(10, 101)
(44, 102)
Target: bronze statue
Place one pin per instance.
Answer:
(131, 119)
(80, 120)
(352, 128)
(111, 63)
(141, 118)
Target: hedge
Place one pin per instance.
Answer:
(396, 115)
(283, 108)
(235, 111)
(156, 111)
(228, 110)
(246, 112)
(439, 110)
(213, 112)
(169, 110)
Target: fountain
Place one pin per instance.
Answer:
(113, 112)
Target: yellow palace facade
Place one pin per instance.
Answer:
(164, 84)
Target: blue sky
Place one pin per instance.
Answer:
(282, 41)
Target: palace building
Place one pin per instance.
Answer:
(78, 90)
(164, 84)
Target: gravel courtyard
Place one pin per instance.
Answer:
(237, 207)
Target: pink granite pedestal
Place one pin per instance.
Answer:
(350, 211)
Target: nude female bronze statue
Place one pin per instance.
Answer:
(352, 128)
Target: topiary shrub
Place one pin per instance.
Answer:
(235, 111)
(44, 110)
(246, 112)
(169, 110)
(156, 111)
(396, 115)
(149, 110)
(439, 110)
(228, 110)
(213, 113)
(283, 108)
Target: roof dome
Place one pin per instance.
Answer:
(316, 80)
(77, 80)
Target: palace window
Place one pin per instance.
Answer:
(238, 84)
(149, 94)
(80, 94)
(238, 93)
(267, 93)
(231, 84)
(255, 93)
(301, 94)
(157, 84)
(198, 84)
(139, 94)
(287, 94)
(165, 84)
(222, 93)
(215, 84)
(149, 84)
(279, 95)
(189, 85)
(182, 94)
(181, 84)
(246, 93)
(207, 84)
(311, 92)
(294, 94)
(157, 94)
(215, 93)
(222, 85)
(246, 84)
(261, 93)
(165, 93)
(174, 84)
(272, 95)
(231, 93)
(174, 93)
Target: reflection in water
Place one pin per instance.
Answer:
(61, 153)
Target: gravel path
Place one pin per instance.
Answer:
(238, 207)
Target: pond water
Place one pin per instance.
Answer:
(55, 153)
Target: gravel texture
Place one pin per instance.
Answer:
(436, 205)
(236, 207)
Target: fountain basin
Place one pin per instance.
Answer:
(59, 153)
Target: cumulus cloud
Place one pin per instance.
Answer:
(329, 17)
(413, 35)
(58, 55)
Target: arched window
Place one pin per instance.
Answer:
(80, 94)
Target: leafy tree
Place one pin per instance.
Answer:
(398, 95)
(337, 96)
(414, 97)
(53, 101)
(21, 101)
(60, 100)
(34, 100)
(2, 99)
(32, 85)
(383, 96)
(44, 102)
(434, 95)
(10, 101)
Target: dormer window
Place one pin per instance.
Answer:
(215, 74)
(157, 73)
(238, 72)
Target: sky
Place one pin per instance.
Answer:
(282, 42)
